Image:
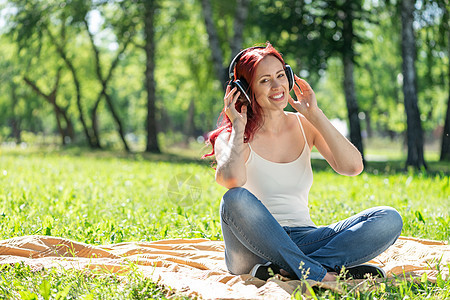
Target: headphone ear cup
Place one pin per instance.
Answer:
(290, 76)
(242, 86)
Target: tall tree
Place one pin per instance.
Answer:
(31, 45)
(62, 26)
(104, 81)
(445, 32)
(33, 27)
(445, 144)
(60, 40)
(414, 133)
(149, 47)
(348, 57)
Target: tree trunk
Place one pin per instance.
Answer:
(104, 82)
(414, 133)
(349, 84)
(352, 105)
(92, 141)
(118, 121)
(69, 131)
(94, 119)
(189, 125)
(152, 134)
(216, 51)
(59, 111)
(15, 120)
(445, 147)
(239, 25)
(59, 125)
(369, 128)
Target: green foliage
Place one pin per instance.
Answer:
(297, 29)
(185, 76)
(379, 77)
(308, 33)
(18, 104)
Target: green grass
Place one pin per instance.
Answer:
(106, 197)
(19, 282)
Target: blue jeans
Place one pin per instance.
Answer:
(252, 236)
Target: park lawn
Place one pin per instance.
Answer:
(102, 198)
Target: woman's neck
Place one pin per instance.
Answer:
(274, 122)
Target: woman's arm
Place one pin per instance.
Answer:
(231, 151)
(339, 152)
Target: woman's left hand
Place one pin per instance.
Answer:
(306, 98)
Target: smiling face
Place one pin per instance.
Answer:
(270, 84)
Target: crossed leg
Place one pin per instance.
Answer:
(252, 236)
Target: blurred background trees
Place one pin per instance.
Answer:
(138, 74)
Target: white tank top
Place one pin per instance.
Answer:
(282, 187)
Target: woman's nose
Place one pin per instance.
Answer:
(276, 84)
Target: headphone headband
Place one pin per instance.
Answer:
(236, 59)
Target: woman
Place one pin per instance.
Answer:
(263, 158)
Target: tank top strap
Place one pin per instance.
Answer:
(250, 155)
(301, 128)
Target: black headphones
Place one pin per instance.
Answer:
(242, 84)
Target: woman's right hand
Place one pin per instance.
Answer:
(236, 118)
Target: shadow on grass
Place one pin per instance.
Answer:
(435, 168)
(172, 156)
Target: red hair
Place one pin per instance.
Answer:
(245, 68)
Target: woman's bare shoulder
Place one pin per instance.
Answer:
(308, 128)
(298, 116)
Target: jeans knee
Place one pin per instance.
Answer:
(393, 220)
(235, 198)
(240, 204)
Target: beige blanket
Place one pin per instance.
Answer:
(195, 267)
